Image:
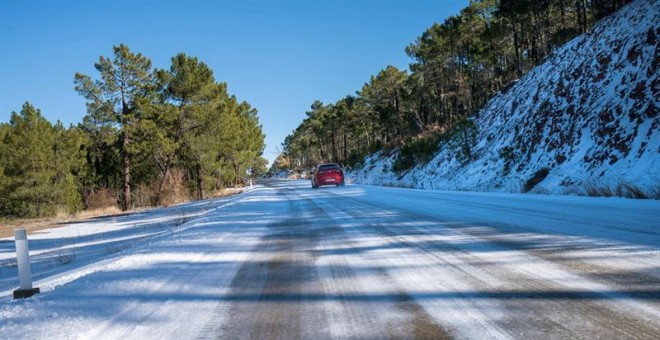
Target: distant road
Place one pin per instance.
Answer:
(285, 261)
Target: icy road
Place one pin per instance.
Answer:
(284, 261)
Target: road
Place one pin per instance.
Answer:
(286, 261)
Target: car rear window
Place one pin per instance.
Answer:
(328, 167)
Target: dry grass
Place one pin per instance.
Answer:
(175, 190)
(598, 190)
(113, 210)
(227, 192)
(100, 199)
(8, 226)
(622, 189)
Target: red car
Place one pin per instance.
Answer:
(327, 174)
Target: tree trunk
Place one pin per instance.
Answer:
(166, 174)
(345, 147)
(335, 155)
(399, 124)
(562, 20)
(516, 46)
(200, 188)
(581, 16)
(321, 150)
(168, 160)
(127, 204)
(237, 171)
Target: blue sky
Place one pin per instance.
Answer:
(277, 55)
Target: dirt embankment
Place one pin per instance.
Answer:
(7, 226)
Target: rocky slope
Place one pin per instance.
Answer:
(588, 117)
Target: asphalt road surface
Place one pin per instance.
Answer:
(285, 261)
(365, 262)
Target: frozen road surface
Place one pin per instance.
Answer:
(285, 261)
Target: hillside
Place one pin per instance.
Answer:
(588, 116)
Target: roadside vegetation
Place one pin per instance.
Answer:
(457, 66)
(150, 137)
(622, 189)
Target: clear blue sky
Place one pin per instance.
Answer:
(277, 55)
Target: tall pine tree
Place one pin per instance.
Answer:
(118, 98)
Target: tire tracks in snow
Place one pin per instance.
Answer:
(517, 283)
(290, 289)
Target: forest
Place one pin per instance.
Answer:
(456, 67)
(150, 137)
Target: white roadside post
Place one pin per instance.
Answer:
(23, 261)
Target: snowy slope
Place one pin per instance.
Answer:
(589, 114)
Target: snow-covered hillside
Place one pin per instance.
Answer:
(588, 114)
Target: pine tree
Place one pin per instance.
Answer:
(39, 164)
(458, 65)
(189, 93)
(118, 99)
(384, 95)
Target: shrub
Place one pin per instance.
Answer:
(403, 162)
(622, 189)
(354, 158)
(416, 151)
(101, 199)
(509, 155)
(175, 191)
(463, 138)
(630, 190)
(596, 190)
(537, 178)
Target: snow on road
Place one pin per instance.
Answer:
(286, 261)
